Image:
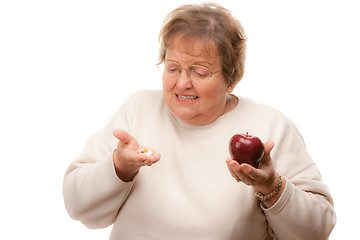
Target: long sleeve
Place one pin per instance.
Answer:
(92, 192)
(305, 209)
(301, 214)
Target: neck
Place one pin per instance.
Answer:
(231, 102)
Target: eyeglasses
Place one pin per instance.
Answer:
(196, 73)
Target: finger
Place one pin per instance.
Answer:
(148, 152)
(125, 139)
(235, 169)
(147, 156)
(153, 159)
(268, 146)
(252, 174)
(244, 173)
(122, 135)
(149, 162)
(236, 172)
(232, 166)
(156, 157)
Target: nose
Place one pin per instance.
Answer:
(184, 81)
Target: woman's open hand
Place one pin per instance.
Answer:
(264, 179)
(127, 160)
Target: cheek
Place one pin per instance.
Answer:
(167, 85)
(214, 93)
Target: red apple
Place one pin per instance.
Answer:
(245, 148)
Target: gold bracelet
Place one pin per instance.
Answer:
(263, 197)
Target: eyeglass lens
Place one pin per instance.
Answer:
(197, 73)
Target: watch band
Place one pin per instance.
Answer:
(263, 197)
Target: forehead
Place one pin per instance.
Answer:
(194, 47)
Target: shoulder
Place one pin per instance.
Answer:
(253, 109)
(132, 111)
(146, 95)
(146, 101)
(141, 101)
(265, 120)
(268, 123)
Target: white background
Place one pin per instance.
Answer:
(66, 66)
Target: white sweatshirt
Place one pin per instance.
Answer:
(190, 194)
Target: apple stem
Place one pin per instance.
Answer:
(247, 134)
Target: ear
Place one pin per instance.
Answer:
(231, 87)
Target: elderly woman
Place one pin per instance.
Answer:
(189, 192)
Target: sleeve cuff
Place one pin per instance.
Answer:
(281, 201)
(113, 178)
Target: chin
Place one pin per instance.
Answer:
(185, 115)
(193, 118)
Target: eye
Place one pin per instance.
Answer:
(200, 72)
(172, 67)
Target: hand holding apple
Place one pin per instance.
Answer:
(263, 179)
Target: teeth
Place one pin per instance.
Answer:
(187, 98)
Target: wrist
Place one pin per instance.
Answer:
(269, 192)
(125, 173)
(267, 186)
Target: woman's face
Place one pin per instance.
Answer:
(195, 103)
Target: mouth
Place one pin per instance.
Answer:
(186, 98)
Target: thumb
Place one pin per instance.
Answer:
(123, 136)
(268, 146)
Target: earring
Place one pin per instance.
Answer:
(229, 90)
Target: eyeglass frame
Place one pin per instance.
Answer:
(188, 70)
